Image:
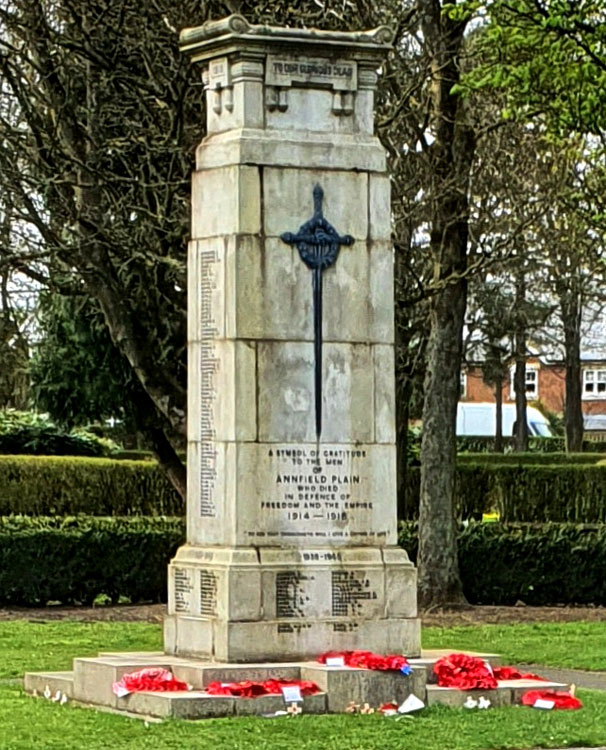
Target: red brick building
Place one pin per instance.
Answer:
(545, 383)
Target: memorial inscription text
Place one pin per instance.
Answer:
(284, 71)
(209, 365)
(325, 494)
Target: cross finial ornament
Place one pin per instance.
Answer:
(318, 243)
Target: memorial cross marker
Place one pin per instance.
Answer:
(318, 244)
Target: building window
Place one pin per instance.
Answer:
(463, 385)
(532, 383)
(594, 384)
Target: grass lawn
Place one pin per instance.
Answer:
(576, 645)
(29, 724)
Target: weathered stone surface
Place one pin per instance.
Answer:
(201, 675)
(269, 294)
(288, 149)
(274, 641)
(380, 316)
(212, 493)
(226, 201)
(456, 698)
(188, 634)
(384, 390)
(311, 110)
(233, 418)
(343, 685)
(380, 207)
(55, 681)
(339, 685)
(519, 687)
(286, 392)
(288, 200)
(94, 677)
(179, 705)
(269, 704)
(400, 584)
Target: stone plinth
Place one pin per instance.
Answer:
(291, 509)
(91, 683)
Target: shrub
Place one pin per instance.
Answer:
(539, 564)
(485, 444)
(529, 458)
(62, 485)
(35, 434)
(574, 493)
(74, 560)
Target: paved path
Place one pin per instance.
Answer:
(581, 678)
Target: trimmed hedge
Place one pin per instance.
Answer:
(485, 444)
(527, 493)
(66, 485)
(501, 459)
(74, 560)
(539, 564)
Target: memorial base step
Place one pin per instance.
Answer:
(507, 693)
(90, 683)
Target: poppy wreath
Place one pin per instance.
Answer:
(156, 679)
(253, 689)
(464, 672)
(368, 660)
(564, 701)
(470, 673)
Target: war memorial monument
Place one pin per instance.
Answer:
(291, 545)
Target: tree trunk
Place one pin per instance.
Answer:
(498, 397)
(439, 582)
(154, 428)
(573, 409)
(451, 159)
(402, 413)
(519, 382)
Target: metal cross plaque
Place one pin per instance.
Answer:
(318, 243)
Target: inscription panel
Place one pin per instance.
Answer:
(351, 591)
(303, 495)
(183, 588)
(328, 590)
(209, 366)
(293, 594)
(341, 75)
(208, 593)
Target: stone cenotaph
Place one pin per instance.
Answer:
(291, 508)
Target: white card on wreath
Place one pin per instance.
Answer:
(292, 694)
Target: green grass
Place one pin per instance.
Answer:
(580, 645)
(28, 724)
(33, 647)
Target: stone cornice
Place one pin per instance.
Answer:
(201, 41)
